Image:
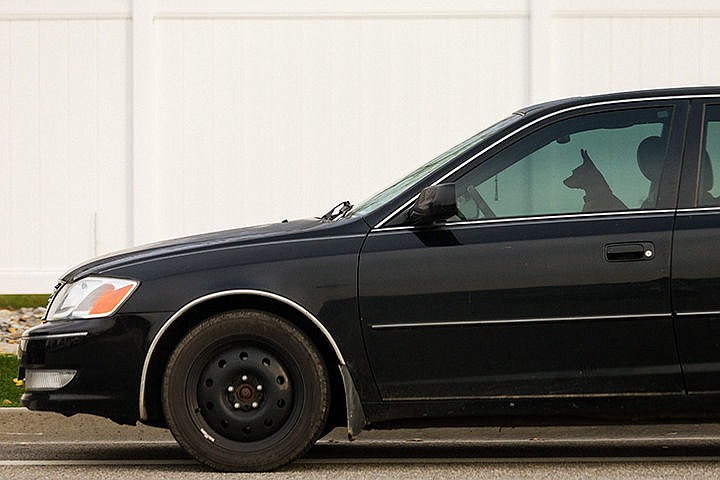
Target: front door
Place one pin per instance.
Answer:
(553, 279)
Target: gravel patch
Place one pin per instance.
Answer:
(14, 322)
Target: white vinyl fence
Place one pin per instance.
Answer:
(124, 122)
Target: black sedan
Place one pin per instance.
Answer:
(558, 267)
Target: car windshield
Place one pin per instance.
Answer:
(395, 189)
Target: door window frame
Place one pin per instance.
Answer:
(669, 181)
(688, 195)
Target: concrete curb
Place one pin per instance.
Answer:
(18, 424)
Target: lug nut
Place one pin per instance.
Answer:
(259, 388)
(231, 388)
(244, 378)
(236, 405)
(254, 404)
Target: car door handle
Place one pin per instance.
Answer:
(629, 252)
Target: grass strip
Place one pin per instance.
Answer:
(10, 388)
(20, 301)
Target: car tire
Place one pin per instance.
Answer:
(246, 391)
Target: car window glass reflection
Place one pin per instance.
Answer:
(708, 188)
(602, 162)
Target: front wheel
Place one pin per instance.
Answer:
(246, 391)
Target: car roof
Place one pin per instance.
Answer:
(654, 93)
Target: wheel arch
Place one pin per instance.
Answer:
(162, 345)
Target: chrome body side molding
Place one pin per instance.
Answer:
(52, 336)
(382, 326)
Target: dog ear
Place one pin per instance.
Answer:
(585, 156)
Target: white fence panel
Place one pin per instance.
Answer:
(126, 122)
(63, 140)
(261, 119)
(633, 45)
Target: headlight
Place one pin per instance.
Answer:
(91, 297)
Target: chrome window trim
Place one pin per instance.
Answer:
(564, 216)
(695, 314)
(52, 336)
(527, 125)
(699, 210)
(384, 326)
(197, 301)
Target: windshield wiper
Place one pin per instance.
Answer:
(338, 210)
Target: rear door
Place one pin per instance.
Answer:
(696, 252)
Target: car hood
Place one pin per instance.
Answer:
(285, 230)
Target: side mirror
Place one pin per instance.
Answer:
(437, 202)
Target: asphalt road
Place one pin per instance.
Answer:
(51, 446)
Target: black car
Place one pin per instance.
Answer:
(560, 267)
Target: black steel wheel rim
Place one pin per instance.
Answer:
(244, 395)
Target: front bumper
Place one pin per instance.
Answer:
(106, 355)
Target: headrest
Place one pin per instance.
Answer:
(706, 173)
(650, 156)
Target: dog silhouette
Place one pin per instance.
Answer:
(598, 194)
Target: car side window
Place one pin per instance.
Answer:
(599, 162)
(708, 194)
